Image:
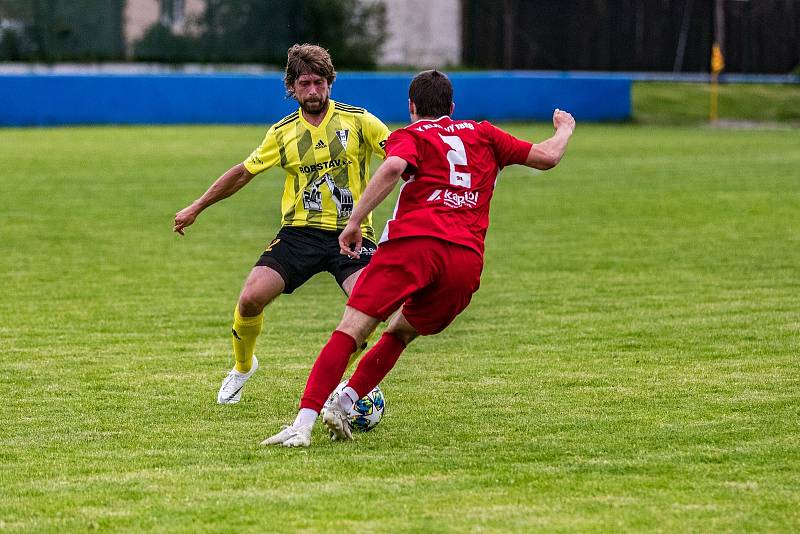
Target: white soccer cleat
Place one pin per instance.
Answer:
(290, 436)
(230, 392)
(336, 420)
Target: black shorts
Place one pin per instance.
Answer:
(297, 254)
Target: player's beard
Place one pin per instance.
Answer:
(315, 107)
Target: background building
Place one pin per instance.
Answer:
(422, 33)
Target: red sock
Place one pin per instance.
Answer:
(376, 364)
(328, 370)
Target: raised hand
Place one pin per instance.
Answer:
(562, 119)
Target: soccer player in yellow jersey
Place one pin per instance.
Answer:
(325, 148)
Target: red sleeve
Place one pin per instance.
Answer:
(401, 143)
(508, 149)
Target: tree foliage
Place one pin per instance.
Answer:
(160, 44)
(261, 31)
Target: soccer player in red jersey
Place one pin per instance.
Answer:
(430, 257)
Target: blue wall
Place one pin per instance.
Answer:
(53, 99)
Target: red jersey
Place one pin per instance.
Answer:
(450, 178)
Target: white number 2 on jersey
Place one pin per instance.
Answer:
(457, 155)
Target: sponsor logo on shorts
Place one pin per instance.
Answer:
(367, 251)
(452, 199)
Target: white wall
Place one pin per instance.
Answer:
(139, 15)
(422, 33)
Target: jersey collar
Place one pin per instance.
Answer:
(325, 119)
(429, 120)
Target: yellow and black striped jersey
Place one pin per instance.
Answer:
(327, 166)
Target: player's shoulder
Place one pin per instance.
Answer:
(406, 131)
(287, 120)
(347, 109)
(360, 118)
(469, 125)
(442, 126)
(486, 129)
(415, 128)
(485, 126)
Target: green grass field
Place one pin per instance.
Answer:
(630, 362)
(688, 103)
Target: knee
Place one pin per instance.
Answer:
(251, 303)
(355, 331)
(403, 332)
(357, 325)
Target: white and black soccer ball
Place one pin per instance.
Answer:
(366, 413)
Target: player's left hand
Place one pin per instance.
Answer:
(350, 237)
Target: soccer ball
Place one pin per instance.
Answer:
(366, 413)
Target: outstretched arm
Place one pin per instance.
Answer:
(547, 154)
(379, 187)
(234, 179)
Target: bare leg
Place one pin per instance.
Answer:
(263, 285)
(357, 325)
(350, 281)
(400, 328)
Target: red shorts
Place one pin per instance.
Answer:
(432, 279)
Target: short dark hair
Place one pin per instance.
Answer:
(432, 93)
(307, 59)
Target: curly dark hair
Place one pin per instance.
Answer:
(307, 59)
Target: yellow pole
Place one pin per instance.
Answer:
(717, 65)
(712, 114)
